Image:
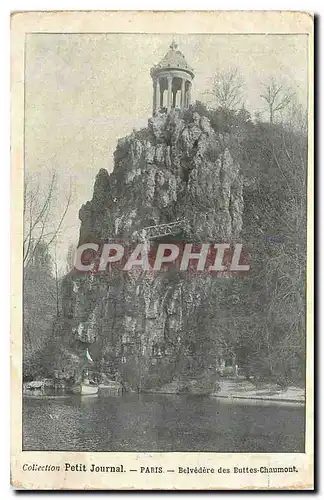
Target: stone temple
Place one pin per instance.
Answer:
(172, 80)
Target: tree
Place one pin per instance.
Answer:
(70, 256)
(39, 310)
(38, 216)
(275, 224)
(295, 117)
(228, 88)
(41, 286)
(277, 98)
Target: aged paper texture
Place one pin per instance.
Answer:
(162, 246)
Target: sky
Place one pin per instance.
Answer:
(85, 91)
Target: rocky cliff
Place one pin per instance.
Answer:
(154, 328)
(176, 167)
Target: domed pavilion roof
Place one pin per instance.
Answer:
(173, 59)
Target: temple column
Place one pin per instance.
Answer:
(161, 98)
(189, 95)
(169, 92)
(157, 95)
(183, 89)
(154, 96)
(174, 98)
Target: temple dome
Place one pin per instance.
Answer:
(173, 59)
(172, 81)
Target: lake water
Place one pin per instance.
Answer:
(151, 422)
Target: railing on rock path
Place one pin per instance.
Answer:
(160, 230)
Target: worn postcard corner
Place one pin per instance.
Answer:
(162, 242)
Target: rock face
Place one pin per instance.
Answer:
(153, 328)
(175, 168)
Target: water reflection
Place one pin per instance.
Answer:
(150, 422)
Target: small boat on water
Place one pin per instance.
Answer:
(85, 386)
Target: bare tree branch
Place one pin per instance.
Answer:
(37, 217)
(276, 97)
(228, 88)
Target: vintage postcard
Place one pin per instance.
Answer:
(162, 243)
